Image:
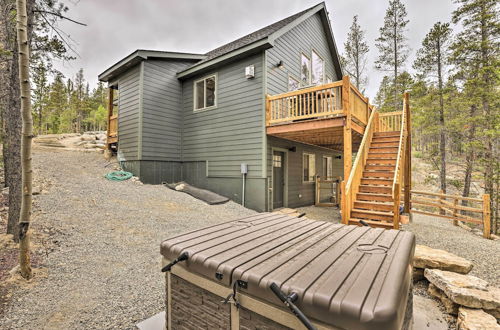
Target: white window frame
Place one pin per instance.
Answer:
(214, 75)
(329, 169)
(300, 70)
(290, 77)
(322, 79)
(328, 79)
(311, 175)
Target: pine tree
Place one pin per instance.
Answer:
(40, 93)
(432, 61)
(356, 49)
(392, 45)
(477, 48)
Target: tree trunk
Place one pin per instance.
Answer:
(27, 136)
(12, 120)
(442, 137)
(469, 156)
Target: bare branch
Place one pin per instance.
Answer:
(59, 15)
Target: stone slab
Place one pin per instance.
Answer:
(426, 257)
(427, 315)
(475, 319)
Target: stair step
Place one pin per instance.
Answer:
(379, 181)
(381, 150)
(381, 161)
(391, 133)
(391, 155)
(375, 189)
(372, 223)
(376, 144)
(372, 215)
(374, 206)
(364, 196)
(375, 167)
(378, 174)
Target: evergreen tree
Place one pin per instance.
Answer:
(356, 49)
(40, 94)
(477, 48)
(392, 45)
(432, 60)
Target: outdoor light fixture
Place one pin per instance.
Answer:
(292, 149)
(338, 157)
(280, 64)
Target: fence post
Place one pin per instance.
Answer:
(343, 202)
(455, 202)
(486, 216)
(441, 198)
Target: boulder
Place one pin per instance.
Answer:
(465, 290)
(426, 257)
(449, 306)
(475, 319)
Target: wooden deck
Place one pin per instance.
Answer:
(332, 115)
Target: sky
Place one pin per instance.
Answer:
(115, 28)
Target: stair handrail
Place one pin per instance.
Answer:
(358, 166)
(397, 182)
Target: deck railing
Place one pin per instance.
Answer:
(390, 121)
(318, 102)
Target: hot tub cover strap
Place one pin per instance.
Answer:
(289, 302)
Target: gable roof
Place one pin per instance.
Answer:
(141, 55)
(263, 39)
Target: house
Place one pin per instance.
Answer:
(256, 120)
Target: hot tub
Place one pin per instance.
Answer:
(273, 271)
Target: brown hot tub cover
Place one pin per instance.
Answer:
(345, 276)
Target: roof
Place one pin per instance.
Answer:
(263, 39)
(251, 43)
(141, 55)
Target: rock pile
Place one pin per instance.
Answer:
(475, 303)
(75, 141)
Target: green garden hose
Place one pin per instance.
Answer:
(118, 176)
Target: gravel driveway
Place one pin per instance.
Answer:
(106, 271)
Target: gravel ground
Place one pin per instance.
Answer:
(105, 274)
(331, 214)
(441, 234)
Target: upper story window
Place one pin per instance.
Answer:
(293, 84)
(318, 69)
(205, 93)
(305, 70)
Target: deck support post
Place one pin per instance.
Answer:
(407, 167)
(346, 89)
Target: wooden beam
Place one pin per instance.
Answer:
(346, 87)
(357, 128)
(306, 125)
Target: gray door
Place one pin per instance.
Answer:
(278, 178)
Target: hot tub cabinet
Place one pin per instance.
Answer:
(338, 276)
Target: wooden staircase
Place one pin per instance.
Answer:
(374, 203)
(373, 189)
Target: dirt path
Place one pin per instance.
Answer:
(105, 273)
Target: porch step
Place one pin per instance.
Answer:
(391, 133)
(364, 188)
(384, 149)
(378, 174)
(372, 215)
(377, 167)
(391, 155)
(378, 161)
(379, 144)
(377, 181)
(374, 206)
(372, 223)
(364, 196)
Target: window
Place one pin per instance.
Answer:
(328, 80)
(308, 164)
(293, 83)
(328, 167)
(277, 160)
(318, 69)
(205, 93)
(305, 70)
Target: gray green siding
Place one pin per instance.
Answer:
(305, 37)
(233, 132)
(129, 114)
(162, 118)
